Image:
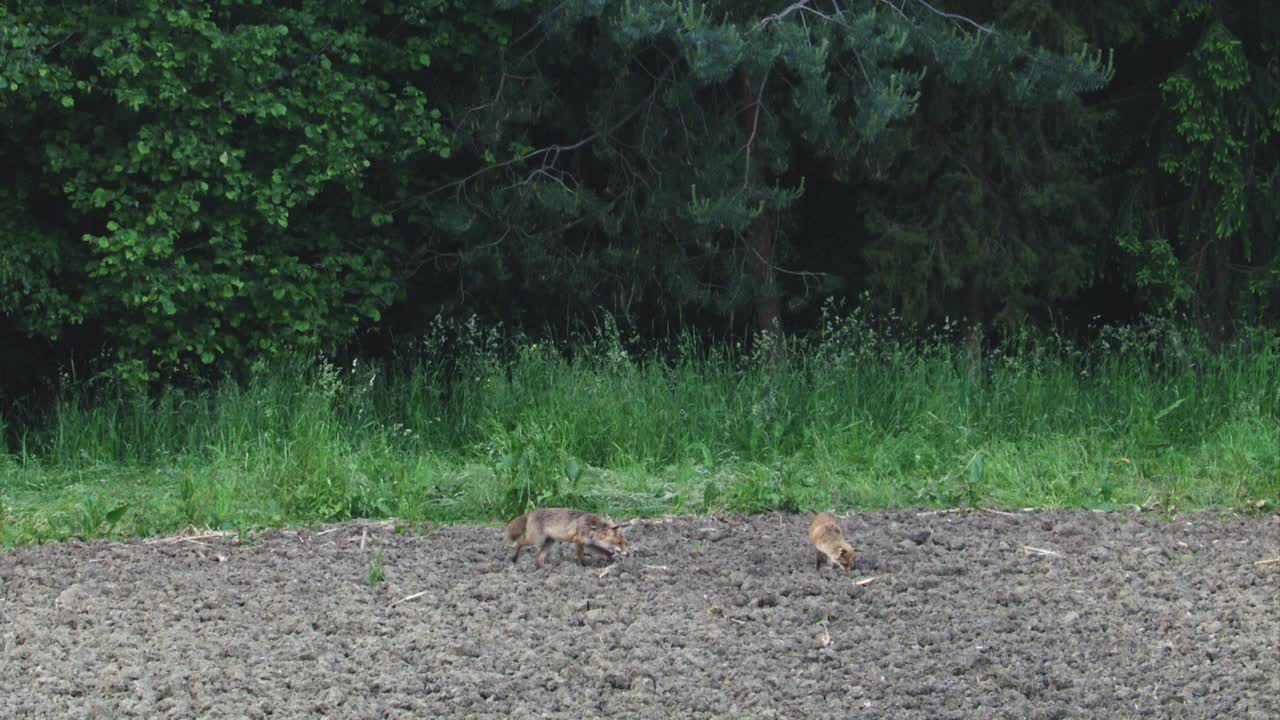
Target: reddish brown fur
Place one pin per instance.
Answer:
(585, 530)
(828, 540)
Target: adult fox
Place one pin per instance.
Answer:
(829, 543)
(540, 527)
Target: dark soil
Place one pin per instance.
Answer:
(1131, 616)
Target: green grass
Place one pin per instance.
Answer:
(467, 427)
(376, 572)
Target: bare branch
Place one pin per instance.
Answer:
(802, 6)
(953, 16)
(805, 274)
(552, 152)
(799, 6)
(755, 125)
(55, 45)
(777, 17)
(544, 171)
(898, 8)
(505, 163)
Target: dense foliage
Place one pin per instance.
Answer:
(192, 186)
(198, 181)
(1200, 210)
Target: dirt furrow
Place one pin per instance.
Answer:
(952, 615)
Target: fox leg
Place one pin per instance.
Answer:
(520, 545)
(821, 557)
(542, 552)
(582, 560)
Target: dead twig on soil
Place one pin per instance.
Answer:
(653, 521)
(407, 598)
(993, 511)
(866, 581)
(364, 536)
(656, 567)
(364, 526)
(948, 511)
(606, 570)
(218, 534)
(1270, 561)
(1029, 550)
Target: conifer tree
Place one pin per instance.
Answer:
(641, 151)
(994, 209)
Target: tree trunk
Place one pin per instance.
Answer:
(975, 340)
(1222, 325)
(768, 305)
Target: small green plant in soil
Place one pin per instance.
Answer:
(376, 574)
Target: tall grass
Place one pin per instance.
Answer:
(471, 426)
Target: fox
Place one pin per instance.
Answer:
(829, 543)
(539, 527)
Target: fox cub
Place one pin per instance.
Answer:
(539, 527)
(829, 542)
